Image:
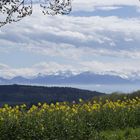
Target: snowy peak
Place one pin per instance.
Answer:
(68, 77)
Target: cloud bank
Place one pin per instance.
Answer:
(46, 44)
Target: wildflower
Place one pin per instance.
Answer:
(80, 100)
(39, 104)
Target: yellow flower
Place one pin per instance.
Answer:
(23, 106)
(57, 104)
(94, 102)
(80, 100)
(125, 98)
(39, 104)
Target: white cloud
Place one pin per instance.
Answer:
(90, 5)
(108, 8)
(76, 39)
(43, 67)
(3, 67)
(73, 37)
(95, 66)
(124, 68)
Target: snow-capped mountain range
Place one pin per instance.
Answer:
(69, 77)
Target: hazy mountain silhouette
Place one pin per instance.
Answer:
(69, 78)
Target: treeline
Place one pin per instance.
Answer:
(117, 96)
(19, 94)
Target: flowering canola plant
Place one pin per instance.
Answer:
(68, 120)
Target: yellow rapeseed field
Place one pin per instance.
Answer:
(68, 120)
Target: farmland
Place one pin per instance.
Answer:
(101, 119)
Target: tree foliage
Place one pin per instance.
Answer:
(15, 10)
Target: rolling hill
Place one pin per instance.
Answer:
(18, 94)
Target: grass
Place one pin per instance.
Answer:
(125, 134)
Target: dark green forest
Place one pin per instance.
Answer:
(19, 94)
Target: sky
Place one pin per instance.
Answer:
(101, 36)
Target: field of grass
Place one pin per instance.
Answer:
(93, 120)
(126, 134)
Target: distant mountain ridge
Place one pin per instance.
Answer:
(70, 78)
